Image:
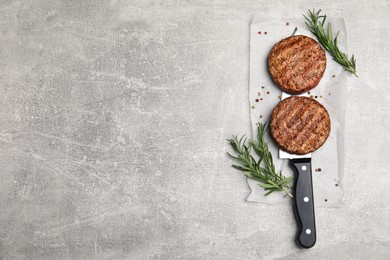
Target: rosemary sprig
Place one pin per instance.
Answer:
(263, 169)
(316, 23)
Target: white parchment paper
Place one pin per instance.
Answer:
(327, 161)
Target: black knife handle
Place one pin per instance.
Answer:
(304, 203)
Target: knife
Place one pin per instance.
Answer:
(303, 195)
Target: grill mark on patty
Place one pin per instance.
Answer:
(291, 57)
(297, 140)
(294, 55)
(297, 64)
(307, 131)
(281, 121)
(299, 125)
(317, 138)
(285, 109)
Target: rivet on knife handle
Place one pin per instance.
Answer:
(304, 203)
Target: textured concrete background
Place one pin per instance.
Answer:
(114, 116)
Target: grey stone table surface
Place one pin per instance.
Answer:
(114, 116)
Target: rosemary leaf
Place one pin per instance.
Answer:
(316, 24)
(263, 169)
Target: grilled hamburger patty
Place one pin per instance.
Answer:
(300, 125)
(297, 64)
